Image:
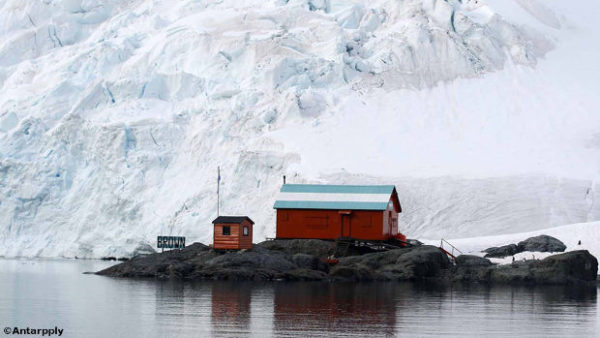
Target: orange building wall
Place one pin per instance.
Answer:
(331, 224)
(246, 241)
(236, 240)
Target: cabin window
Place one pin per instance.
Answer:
(226, 231)
(245, 231)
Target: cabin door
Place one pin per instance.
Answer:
(345, 224)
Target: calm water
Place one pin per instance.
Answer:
(42, 294)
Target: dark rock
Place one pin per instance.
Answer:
(157, 265)
(566, 268)
(305, 261)
(502, 251)
(471, 269)
(357, 272)
(109, 258)
(401, 264)
(542, 243)
(276, 262)
(470, 260)
(315, 247)
(424, 262)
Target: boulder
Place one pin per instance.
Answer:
(471, 269)
(158, 264)
(315, 247)
(355, 272)
(542, 243)
(502, 251)
(411, 263)
(470, 260)
(567, 268)
(311, 262)
(277, 262)
(423, 262)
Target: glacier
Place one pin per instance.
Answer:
(114, 115)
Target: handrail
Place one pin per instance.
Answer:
(442, 241)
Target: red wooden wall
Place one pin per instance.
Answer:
(236, 239)
(331, 224)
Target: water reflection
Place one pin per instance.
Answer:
(230, 310)
(353, 308)
(44, 294)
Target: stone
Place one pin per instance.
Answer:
(410, 263)
(315, 247)
(305, 261)
(470, 260)
(542, 243)
(502, 251)
(567, 268)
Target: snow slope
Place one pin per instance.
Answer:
(114, 115)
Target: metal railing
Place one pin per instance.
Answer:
(452, 248)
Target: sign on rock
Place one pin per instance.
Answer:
(170, 242)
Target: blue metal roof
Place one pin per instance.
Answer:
(330, 205)
(334, 197)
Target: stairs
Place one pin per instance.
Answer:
(341, 247)
(450, 250)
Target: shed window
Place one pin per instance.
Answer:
(245, 231)
(226, 231)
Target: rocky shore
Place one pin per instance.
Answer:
(305, 260)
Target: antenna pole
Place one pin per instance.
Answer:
(218, 188)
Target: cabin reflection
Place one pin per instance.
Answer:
(360, 308)
(230, 306)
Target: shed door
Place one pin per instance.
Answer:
(345, 223)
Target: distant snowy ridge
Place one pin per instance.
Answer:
(114, 115)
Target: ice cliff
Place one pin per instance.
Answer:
(114, 115)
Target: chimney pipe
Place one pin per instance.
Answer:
(283, 179)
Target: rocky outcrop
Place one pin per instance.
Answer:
(567, 268)
(542, 243)
(315, 247)
(471, 269)
(421, 262)
(282, 262)
(424, 262)
(502, 251)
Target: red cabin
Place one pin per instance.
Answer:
(333, 211)
(232, 233)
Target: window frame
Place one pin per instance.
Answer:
(246, 230)
(228, 227)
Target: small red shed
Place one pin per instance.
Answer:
(232, 233)
(366, 212)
